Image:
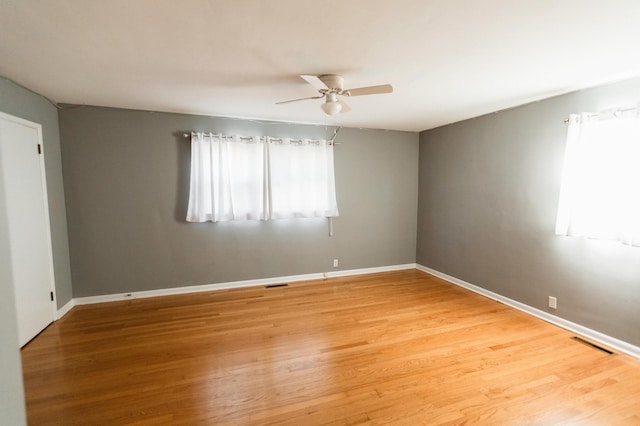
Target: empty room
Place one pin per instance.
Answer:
(319, 212)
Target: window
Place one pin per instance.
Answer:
(600, 194)
(260, 178)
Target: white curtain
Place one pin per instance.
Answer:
(301, 179)
(227, 178)
(600, 194)
(240, 178)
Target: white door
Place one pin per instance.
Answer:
(22, 174)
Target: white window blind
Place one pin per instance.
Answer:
(600, 194)
(260, 178)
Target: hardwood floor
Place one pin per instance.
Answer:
(390, 348)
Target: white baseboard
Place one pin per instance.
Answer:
(365, 271)
(65, 309)
(195, 289)
(597, 336)
(235, 284)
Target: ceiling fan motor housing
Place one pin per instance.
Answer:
(335, 83)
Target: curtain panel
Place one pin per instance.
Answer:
(260, 178)
(600, 193)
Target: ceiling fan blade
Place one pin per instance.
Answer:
(370, 90)
(301, 99)
(345, 107)
(314, 81)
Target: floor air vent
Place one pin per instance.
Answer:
(593, 345)
(276, 285)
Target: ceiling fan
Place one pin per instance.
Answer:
(330, 86)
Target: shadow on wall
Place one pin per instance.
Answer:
(183, 157)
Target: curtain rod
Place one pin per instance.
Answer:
(615, 111)
(246, 138)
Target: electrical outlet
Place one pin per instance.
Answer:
(335, 263)
(553, 302)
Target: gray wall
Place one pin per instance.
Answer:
(488, 197)
(126, 177)
(20, 102)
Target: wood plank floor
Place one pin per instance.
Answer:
(390, 348)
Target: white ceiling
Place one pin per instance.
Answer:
(447, 60)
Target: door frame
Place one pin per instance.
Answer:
(45, 199)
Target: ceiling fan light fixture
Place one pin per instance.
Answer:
(331, 106)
